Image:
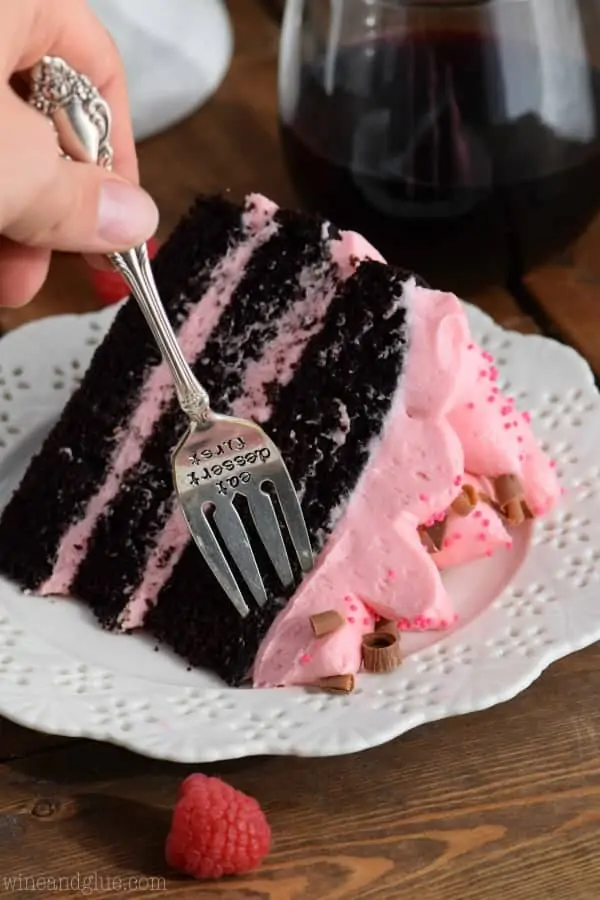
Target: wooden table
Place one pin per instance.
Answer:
(502, 805)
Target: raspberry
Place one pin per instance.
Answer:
(216, 830)
(111, 286)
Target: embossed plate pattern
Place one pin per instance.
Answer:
(60, 673)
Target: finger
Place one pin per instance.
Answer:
(54, 203)
(23, 271)
(69, 29)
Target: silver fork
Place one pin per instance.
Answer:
(220, 457)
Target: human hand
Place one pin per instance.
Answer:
(46, 202)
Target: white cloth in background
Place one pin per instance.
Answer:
(176, 53)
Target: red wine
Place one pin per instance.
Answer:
(456, 156)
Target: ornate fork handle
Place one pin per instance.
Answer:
(82, 120)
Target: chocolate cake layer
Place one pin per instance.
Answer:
(270, 286)
(76, 456)
(347, 377)
(282, 324)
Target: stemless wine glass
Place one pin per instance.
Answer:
(462, 138)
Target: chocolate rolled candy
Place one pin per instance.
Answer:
(432, 536)
(337, 684)
(326, 622)
(381, 652)
(511, 498)
(466, 501)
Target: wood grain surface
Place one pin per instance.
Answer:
(499, 805)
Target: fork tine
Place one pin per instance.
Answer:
(265, 521)
(213, 555)
(294, 519)
(231, 528)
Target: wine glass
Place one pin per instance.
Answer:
(461, 138)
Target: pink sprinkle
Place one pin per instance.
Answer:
(353, 607)
(470, 406)
(506, 410)
(483, 373)
(404, 624)
(366, 621)
(493, 373)
(391, 574)
(491, 399)
(552, 463)
(447, 542)
(488, 356)
(486, 523)
(477, 514)
(305, 658)
(507, 425)
(419, 621)
(515, 424)
(456, 536)
(495, 390)
(347, 599)
(489, 553)
(526, 417)
(458, 480)
(428, 622)
(470, 346)
(423, 498)
(482, 536)
(520, 439)
(351, 619)
(508, 545)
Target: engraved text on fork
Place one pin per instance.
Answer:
(226, 464)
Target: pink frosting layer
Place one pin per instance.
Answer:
(447, 417)
(157, 392)
(298, 657)
(472, 537)
(496, 437)
(275, 365)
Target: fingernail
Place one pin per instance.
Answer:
(127, 215)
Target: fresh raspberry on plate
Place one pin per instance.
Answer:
(216, 830)
(111, 286)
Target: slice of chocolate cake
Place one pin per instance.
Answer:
(352, 369)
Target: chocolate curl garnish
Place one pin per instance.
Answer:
(511, 498)
(526, 510)
(432, 536)
(326, 622)
(465, 503)
(381, 652)
(387, 626)
(337, 684)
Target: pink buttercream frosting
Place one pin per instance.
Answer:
(497, 438)
(472, 537)
(448, 417)
(298, 657)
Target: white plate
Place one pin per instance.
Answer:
(60, 673)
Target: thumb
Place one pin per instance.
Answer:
(53, 203)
